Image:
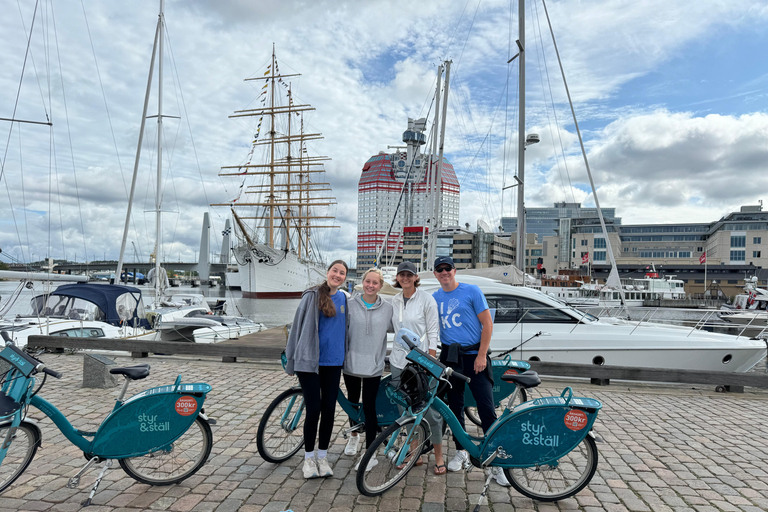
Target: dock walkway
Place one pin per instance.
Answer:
(663, 449)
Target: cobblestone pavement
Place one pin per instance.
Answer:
(664, 449)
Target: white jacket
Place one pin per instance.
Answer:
(418, 315)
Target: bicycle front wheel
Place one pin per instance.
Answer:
(474, 417)
(281, 429)
(24, 443)
(559, 480)
(384, 453)
(172, 464)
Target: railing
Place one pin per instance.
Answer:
(601, 375)
(229, 352)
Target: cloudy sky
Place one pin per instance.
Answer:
(671, 98)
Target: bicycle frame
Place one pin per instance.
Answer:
(149, 421)
(534, 433)
(386, 408)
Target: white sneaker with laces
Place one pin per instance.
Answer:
(460, 461)
(371, 464)
(323, 468)
(310, 469)
(351, 448)
(500, 477)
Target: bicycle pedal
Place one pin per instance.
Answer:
(73, 482)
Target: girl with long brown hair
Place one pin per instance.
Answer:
(315, 352)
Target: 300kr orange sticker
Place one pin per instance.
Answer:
(186, 405)
(576, 419)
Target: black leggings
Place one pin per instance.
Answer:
(370, 387)
(320, 391)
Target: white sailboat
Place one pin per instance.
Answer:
(276, 256)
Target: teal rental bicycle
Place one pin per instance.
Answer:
(281, 429)
(160, 436)
(545, 446)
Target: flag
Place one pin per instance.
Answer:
(585, 258)
(703, 258)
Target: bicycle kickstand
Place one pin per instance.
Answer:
(107, 465)
(75, 480)
(484, 495)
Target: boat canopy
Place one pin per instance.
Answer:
(120, 304)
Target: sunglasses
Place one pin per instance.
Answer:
(440, 270)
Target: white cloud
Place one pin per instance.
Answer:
(367, 67)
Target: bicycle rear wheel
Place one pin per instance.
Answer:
(385, 474)
(181, 460)
(281, 429)
(558, 480)
(24, 444)
(474, 417)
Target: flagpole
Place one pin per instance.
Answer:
(705, 272)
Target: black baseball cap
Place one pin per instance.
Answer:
(444, 260)
(407, 266)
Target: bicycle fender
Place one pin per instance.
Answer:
(29, 421)
(205, 418)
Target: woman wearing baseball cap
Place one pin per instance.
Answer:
(416, 310)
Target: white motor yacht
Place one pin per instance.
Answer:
(84, 310)
(541, 328)
(188, 317)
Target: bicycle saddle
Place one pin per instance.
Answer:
(132, 372)
(529, 379)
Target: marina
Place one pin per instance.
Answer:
(661, 449)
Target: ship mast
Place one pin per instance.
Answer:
(289, 192)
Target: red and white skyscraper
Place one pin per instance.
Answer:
(380, 194)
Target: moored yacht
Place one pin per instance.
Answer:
(538, 327)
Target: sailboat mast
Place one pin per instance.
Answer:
(121, 257)
(439, 177)
(159, 193)
(432, 235)
(271, 197)
(520, 259)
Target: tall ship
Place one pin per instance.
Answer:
(280, 202)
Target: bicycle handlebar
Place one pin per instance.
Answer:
(52, 373)
(450, 372)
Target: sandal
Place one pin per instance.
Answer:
(419, 462)
(440, 469)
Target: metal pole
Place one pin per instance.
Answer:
(520, 259)
(136, 161)
(159, 197)
(432, 235)
(439, 180)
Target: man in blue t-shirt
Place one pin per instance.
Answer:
(465, 334)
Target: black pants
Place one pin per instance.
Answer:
(320, 392)
(481, 387)
(370, 387)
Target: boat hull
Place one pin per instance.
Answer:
(264, 273)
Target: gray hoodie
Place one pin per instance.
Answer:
(303, 348)
(367, 344)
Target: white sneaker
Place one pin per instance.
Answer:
(460, 461)
(310, 469)
(371, 464)
(500, 477)
(351, 448)
(323, 469)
